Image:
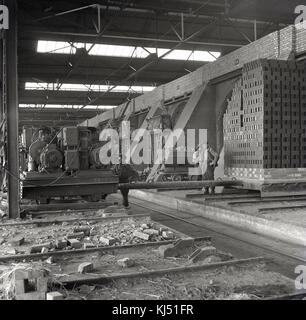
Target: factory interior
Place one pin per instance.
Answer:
(153, 150)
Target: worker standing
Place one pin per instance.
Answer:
(207, 159)
(127, 174)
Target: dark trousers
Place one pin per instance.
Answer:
(125, 196)
(209, 176)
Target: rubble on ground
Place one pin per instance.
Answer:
(35, 239)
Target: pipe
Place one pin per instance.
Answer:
(67, 12)
(181, 184)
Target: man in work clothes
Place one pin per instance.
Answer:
(208, 159)
(127, 174)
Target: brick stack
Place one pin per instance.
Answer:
(264, 126)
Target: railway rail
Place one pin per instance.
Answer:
(198, 222)
(157, 214)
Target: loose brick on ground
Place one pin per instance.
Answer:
(39, 247)
(141, 235)
(61, 244)
(202, 253)
(108, 241)
(75, 244)
(168, 235)
(85, 267)
(55, 296)
(126, 263)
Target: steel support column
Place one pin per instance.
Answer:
(12, 113)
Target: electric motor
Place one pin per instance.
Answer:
(51, 158)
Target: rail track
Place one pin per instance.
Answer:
(158, 214)
(198, 221)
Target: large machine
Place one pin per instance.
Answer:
(64, 163)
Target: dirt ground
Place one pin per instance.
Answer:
(228, 283)
(105, 263)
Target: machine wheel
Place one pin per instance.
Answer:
(177, 178)
(164, 178)
(43, 201)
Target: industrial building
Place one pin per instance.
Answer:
(153, 150)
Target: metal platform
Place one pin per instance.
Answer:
(273, 187)
(88, 183)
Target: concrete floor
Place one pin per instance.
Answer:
(285, 224)
(282, 257)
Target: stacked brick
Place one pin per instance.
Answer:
(265, 123)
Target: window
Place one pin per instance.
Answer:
(107, 50)
(61, 106)
(85, 87)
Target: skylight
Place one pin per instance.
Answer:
(108, 50)
(85, 87)
(62, 106)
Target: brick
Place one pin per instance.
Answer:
(31, 296)
(141, 235)
(145, 226)
(23, 274)
(202, 254)
(44, 250)
(108, 241)
(42, 284)
(151, 232)
(19, 287)
(50, 260)
(16, 242)
(55, 296)
(168, 235)
(212, 259)
(85, 267)
(89, 246)
(78, 235)
(61, 244)
(85, 230)
(12, 252)
(75, 244)
(161, 230)
(126, 263)
(37, 248)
